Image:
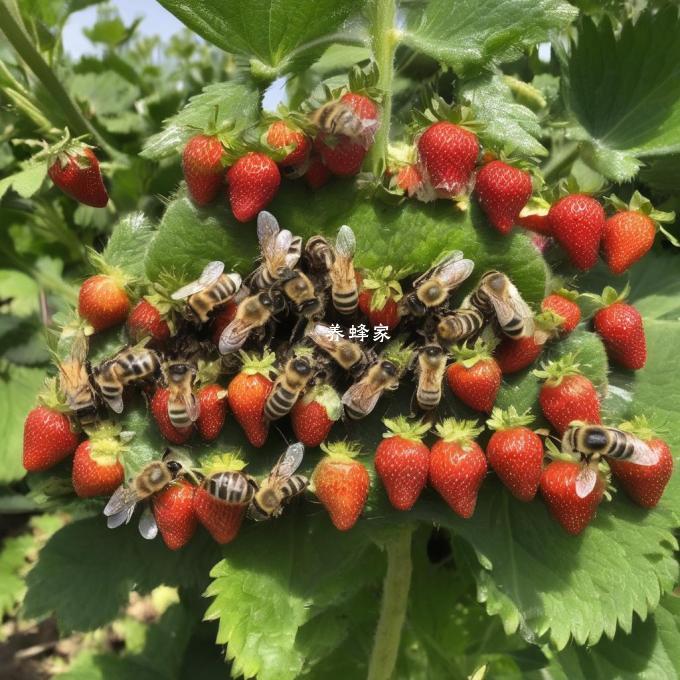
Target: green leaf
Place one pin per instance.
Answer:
(25, 182)
(127, 247)
(189, 237)
(12, 564)
(276, 577)
(508, 125)
(274, 32)
(625, 91)
(18, 387)
(650, 652)
(106, 93)
(230, 101)
(85, 572)
(23, 291)
(469, 35)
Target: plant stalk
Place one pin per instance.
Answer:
(393, 607)
(12, 27)
(384, 39)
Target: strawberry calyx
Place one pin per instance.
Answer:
(640, 427)
(342, 451)
(640, 204)
(51, 396)
(107, 443)
(252, 364)
(208, 372)
(469, 356)
(609, 296)
(120, 278)
(461, 432)
(553, 372)
(548, 325)
(509, 419)
(229, 461)
(439, 110)
(328, 397)
(404, 428)
(384, 286)
(399, 354)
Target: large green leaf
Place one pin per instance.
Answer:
(625, 91)
(128, 244)
(275, 32)
(468, 35)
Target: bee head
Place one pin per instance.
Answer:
(302, 366)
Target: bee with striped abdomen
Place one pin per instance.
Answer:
(361, 397)
(233, 487)
(213, 289)
(183, 407)
(288, 386)
(253, 312)
(280, 486)
(430, 371)
(344, 289)
(318, 255)
(74, 382)
(347, 354)
(461, 324)
(130, 365)
(298, 288)
(280, 251)
(497, 296)
(433, 288)
(338, 118)
(593, 442)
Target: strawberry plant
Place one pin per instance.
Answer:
(178, 264)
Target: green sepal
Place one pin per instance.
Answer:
(399, 354)
(385, 286)
(508, 419)
(342, 451)
(553, 372)
(230, 461)
(328, 397)
(405, 429)
(608, 297)
(253, 364)
(469, 356)
(640, 427)
(461, 432)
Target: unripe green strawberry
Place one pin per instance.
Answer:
(97, 470)
(48, 439)
(558, 489)
(253, 181)
(159, 410)
(103, 302)
(314, 414)
(76, 172)
(457, 465)
(202, 167)
(212, 401)
(146, 321)
(474, 377)
(341, 484)
(280, 135)
(173, 509)
(402, 461)
(515, 452)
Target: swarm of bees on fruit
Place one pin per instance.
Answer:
(299, 302)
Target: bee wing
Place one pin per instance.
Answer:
(211, 272)
(362, 396)
(345, 242)
(123, 497)
(506, 310)
(233, 336)
(120, 518)
(289, 461)
(147, 525)
(267, 227)
(455, 256)
(192, 406)
(643, 454)
(453, 272)
(585, 481)
(322, 335)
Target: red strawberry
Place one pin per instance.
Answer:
(474, 377)
(48, 438)
(562, 303)
(364, 108)
(567, 395)
(202, 167)
(516, 355)
(340, 154)
(252, 181)
(281, 135)
(402, 461)
(515, 452)
(502, 192)
(621, 329)
(221, 320)
(577, 222)
(627, 236)
(247, 394)
(313, 415)
(448, 154)
(380, 293)
(103, 302)
(97, 470)
(317, 173)
(457, 465)
(159, 409)
(536, 222)
(341, 484)
(222, 520)
(145, 320)
(173, 509)
(213, 411)
(76, 172)
(558, 488)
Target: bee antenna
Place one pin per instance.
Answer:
(283, 436)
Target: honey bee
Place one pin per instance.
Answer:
(232, 487)
(338, 118)
(288, 386)
(297, 287)
(213, 289)
(344, 291)
(593, 442)
(74, 382)
(318, 255)
(347, 354)
(183, 407)
(279, 248)
(153, 478)
(252, 312)
(430, 373)
(361, 397)
(497, 295)
(460, 325)
(130, 365)
(280, 485)
(434, 286)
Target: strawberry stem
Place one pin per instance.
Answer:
(396, 587)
